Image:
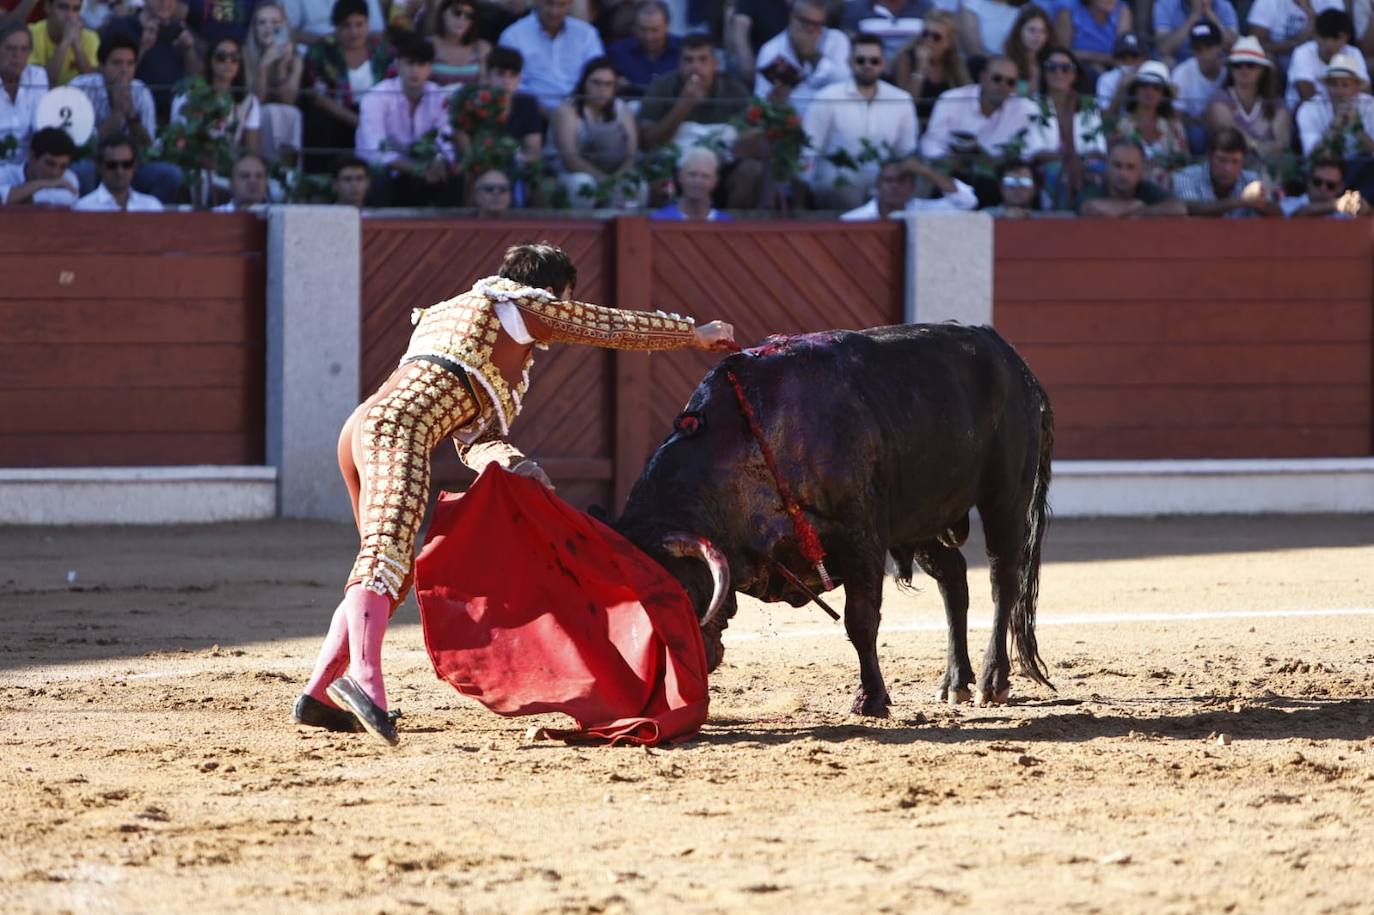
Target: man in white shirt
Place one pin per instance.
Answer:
(1198, 78)
(897, 193)
(397, 113)
(803, 58)
(1309, 60)
(44, 178)
(117, 159)
(21, 86)
(1282, 25)
(556, 47)
(248, 184)
(844, 115)
(1339, 125)
(988, 112)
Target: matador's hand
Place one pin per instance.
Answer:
(534, 472)
(717, 335)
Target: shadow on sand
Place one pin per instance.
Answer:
(1272, 718)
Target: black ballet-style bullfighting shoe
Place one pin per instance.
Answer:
(376, 722)
(313, 713)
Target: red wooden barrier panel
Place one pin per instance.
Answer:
(131, 339)
(1194, 338)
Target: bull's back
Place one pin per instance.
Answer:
(921, 397)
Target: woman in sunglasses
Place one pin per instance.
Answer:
(1074, 137)
(931, 63)
(1249, 101)
(240, 126)
(459, 54)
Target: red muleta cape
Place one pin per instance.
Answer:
(530, 606)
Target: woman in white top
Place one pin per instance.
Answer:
(1074, 138)
(596, 138)
(241, 125)
(984, 26)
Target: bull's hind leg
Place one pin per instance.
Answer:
(1005, 529)
(863, 600)
(946, 565)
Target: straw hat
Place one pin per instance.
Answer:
(1344, 64)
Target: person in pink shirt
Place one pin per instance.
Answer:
(403, 127)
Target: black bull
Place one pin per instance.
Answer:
(888, 438)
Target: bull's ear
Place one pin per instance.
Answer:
(689, 423)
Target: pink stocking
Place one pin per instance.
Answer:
(333, 659)
(368, 613)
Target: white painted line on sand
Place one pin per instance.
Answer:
(1083, 619)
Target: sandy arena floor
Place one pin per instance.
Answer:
(1210, 749)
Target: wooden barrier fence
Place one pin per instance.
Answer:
(1195, 338)
(131, 339)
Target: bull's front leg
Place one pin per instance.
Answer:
(863, 600)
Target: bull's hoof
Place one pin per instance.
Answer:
(960, 695)
(1000, 697)
(874, 706)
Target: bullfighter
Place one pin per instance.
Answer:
(464, 375)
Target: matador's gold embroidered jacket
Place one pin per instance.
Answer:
(493, 330)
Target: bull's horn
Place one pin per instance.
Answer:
(680, 543)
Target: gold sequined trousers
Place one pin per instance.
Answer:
(388, 442)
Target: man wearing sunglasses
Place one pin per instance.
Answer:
(1326, 196)
(844, 117)
(989, 111)
(116, 160)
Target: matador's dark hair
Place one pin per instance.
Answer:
(541, 266)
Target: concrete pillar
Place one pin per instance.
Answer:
(949, 268)
(314, 294)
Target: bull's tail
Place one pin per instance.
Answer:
(1038, 517)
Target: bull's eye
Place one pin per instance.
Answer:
(688, 424)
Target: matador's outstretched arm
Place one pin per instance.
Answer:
(558, 321)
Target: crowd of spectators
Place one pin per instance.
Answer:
(691, 109)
